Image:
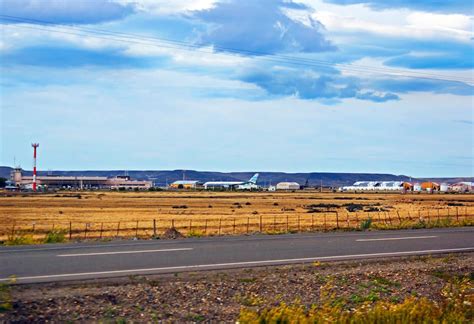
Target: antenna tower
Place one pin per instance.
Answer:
(35, 147)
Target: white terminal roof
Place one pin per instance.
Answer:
(183, 182)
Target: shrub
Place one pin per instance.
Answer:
(20, 240)
(364, 225)
(354, 207)
(55, 236)
(195, 233)
(455, 307)
(5, 298)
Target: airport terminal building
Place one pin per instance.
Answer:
(78, 182)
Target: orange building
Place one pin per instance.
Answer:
(430, 186)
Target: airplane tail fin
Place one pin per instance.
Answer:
(254, 178)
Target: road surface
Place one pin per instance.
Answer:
(60, 262)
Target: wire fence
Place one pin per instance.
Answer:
(270, 224)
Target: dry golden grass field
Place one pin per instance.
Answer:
(144, 214)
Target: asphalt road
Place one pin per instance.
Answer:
(60, 262)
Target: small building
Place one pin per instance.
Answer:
(430, 186)
(407, 186)
(417, 187)
(186, 184)
(462, 187)
(444, 187)
(288, 186)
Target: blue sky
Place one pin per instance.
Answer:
(226, 85)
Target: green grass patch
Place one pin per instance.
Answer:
(55, 236)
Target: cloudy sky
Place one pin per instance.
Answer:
(239, 85)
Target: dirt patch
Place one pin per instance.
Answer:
(171, 234)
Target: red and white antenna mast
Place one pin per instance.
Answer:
(35, 146)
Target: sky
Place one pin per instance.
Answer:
(239, 85)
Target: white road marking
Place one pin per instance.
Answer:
(123, 252)
(238, 264)
(396, 238)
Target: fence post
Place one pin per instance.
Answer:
(248, 223)
(299, 227)
(205, 226)
(101, 229)
(118, 229)
(70, 230)
(136, 230)
(274, 223)
(85, 231)
(347, 220)
(312, 222)
(220, 223)
(337, 220)
(389, 219)
(33, 230)
(190, 225)
(457, 214)
(154, 227)
(261, 227)
(287, 225)
(325, 222)
(399, 218)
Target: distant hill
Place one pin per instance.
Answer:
(161, 178)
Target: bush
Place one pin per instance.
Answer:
(364, 225)
(5, 298)
(455, 307)
(20, 240)
(195, 233)
(55, 236)
(354, 207)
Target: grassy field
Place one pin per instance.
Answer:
(142, 214)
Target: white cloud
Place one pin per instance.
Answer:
(393, 23)
(24, 35)
(164, 7)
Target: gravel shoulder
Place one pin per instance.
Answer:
(220, 295)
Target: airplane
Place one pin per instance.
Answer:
(240, 185)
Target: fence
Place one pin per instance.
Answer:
(195, 226)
